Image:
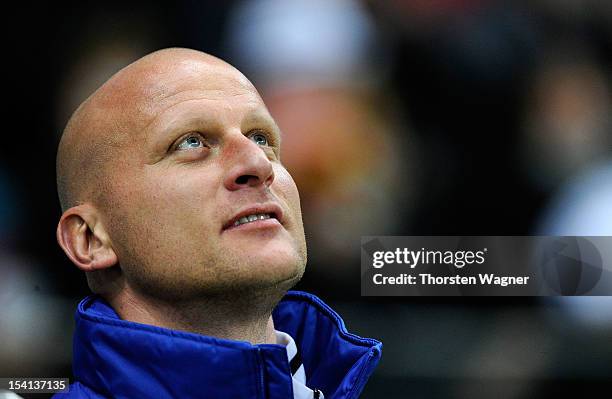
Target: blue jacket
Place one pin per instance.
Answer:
(121, 359)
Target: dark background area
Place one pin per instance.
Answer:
(436, 118)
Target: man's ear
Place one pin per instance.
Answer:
(84, 239)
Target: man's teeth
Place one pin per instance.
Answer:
(251, 218)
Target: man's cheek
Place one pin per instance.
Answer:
(284, 182)
(165, 196)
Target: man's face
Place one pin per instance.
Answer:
(202, 155)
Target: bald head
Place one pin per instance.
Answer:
(95, 134)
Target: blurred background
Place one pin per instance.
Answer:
(400, 117)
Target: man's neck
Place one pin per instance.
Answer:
(239, 319)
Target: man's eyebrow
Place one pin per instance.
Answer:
(259, 117)
(159, 118)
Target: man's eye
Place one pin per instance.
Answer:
(259, 139)
(190, 142)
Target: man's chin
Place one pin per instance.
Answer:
(278, 271)
(262, 281)
(277, 249)
(275, 266)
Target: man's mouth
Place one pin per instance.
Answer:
(252, 218)
(258, 214)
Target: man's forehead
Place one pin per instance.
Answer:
(148, 89)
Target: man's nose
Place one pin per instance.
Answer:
(249, 165)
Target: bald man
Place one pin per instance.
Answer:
(178, 209)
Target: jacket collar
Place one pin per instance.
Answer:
(120, 358)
